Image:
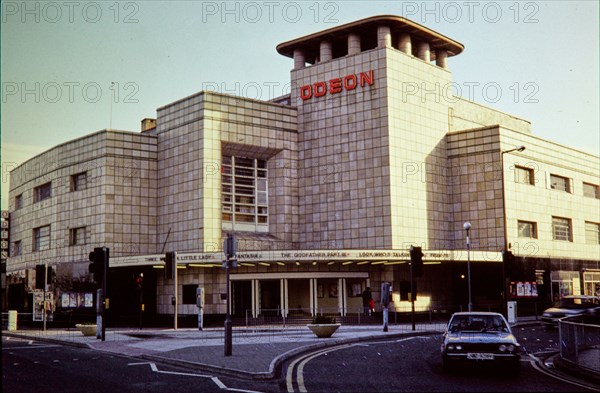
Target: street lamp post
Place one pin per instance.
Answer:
(467, 227)
(505, 248)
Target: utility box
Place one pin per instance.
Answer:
(12, 320)
(512, 311)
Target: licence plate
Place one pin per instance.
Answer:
(480, 356)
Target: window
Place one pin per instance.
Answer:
(41, 238)
(17, 248)
(18, 201)
(561, 229)
(244, 193)
(79, 181)
(42, 192)
(524, 175)
(77, 236)
(591, 190)
(592, 233)
(527, 229)
(559, 183)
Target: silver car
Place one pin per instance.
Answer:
(569, 306)
(480, 337)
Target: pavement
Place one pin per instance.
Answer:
(257, 352)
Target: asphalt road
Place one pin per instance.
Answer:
(414, 364)
(404, 364)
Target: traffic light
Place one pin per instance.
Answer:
(416, 260)
(99, 265)
(139, 281)
(40, 273)
(170, 259)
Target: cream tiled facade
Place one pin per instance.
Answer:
(365, 157)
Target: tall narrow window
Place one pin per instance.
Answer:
(18, 201)
(592, 233)
(561, 229)
(79, 181)
(17, 248)
(244, 194)
(42, 192)
(41, 238)
(559, 183)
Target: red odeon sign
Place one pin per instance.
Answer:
(336, 85)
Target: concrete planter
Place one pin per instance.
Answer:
(324, 330)
(86, 330)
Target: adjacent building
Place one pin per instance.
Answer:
(326, 189)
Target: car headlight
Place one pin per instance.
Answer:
(459, 347)
(546, 314)
(511, 348)
(502, 347)
(450, 347)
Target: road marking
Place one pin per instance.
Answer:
(32, 347)
(302, 361)
(537, 364)
(215, 380)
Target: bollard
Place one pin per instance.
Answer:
(12, 320)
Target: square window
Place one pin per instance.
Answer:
(561, 229)
(559, 183)
(527, 229)
(42, 192)
(79, 181)
(592, 233)
(524, 175)
(77, 236)
(591, 190)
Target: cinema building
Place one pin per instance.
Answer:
(325, 189)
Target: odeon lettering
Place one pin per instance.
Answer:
(336, 85)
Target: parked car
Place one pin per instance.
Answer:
(570, 306)
(480, 337)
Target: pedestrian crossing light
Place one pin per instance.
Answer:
(139, 281)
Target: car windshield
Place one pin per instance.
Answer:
(479, 323)
(577, 303)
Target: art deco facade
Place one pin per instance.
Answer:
(326, 189)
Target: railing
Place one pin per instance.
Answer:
(348, 316)
(580, 342)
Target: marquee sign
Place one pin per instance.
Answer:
(290, 256)
(336, 85)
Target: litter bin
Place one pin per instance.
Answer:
(512, 311)
(12, 320)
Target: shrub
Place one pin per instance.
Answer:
(322, 319)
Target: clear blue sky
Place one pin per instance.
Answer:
(536, 60)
